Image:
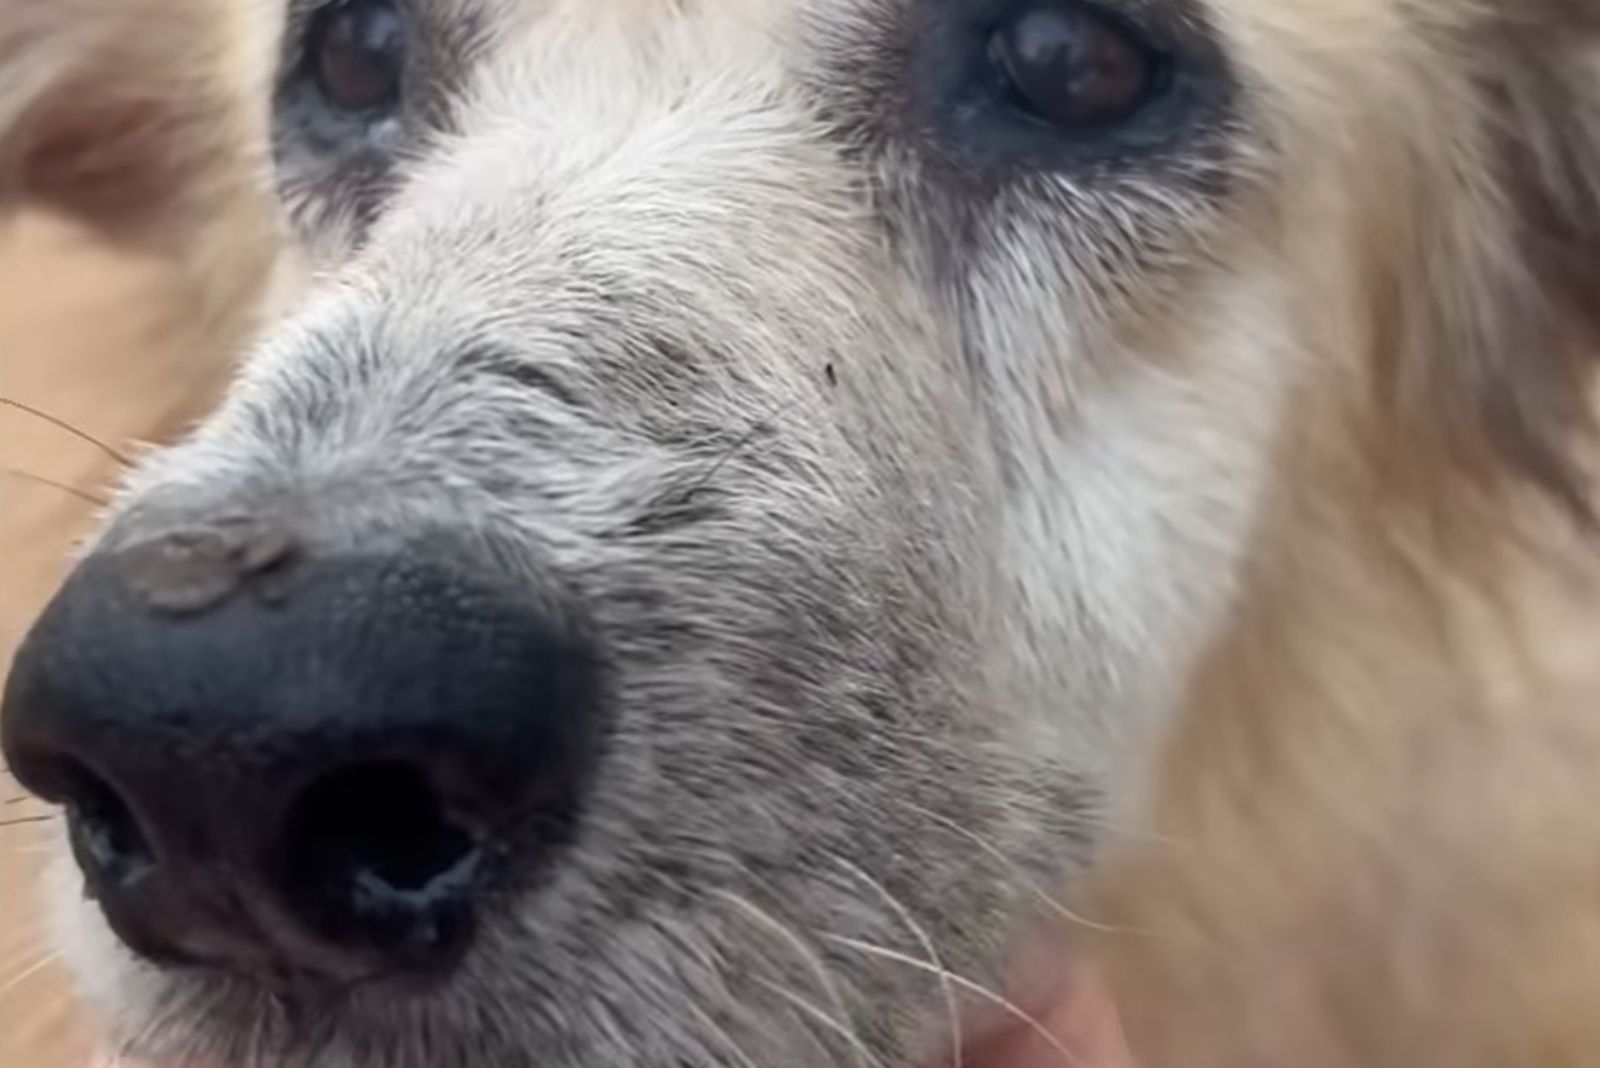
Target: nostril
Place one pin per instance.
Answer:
(109, 843)
(379, 821)
(324, 780)
(372, 857)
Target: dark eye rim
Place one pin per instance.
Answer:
(964, 114)
(328, 163)
(309, 130)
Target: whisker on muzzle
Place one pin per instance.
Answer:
(805, 953)
(1048, 900)
(720, 1033)
(999, 1001)
(62, 424)
(82, 495)
(763, 425)
(920, 933)
(814, 1013)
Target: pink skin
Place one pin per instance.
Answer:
(1079, 1028)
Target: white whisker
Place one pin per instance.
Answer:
(920, 933)
(839, 1028)
(1048, 900)
(1004, 1003)
(721, 1034)
(807, 954)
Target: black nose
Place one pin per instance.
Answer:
(301, 766)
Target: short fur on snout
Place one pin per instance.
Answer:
(906, 497)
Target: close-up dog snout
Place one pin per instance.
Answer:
(299, 765)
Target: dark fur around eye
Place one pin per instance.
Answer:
(1069, 86)
(342, 76)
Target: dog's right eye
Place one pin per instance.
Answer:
(357, 52)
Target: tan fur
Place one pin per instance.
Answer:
(1377, 830)
(1380, 841)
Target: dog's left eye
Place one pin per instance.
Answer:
(1074, 66)
(357, 51)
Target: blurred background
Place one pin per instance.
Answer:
(94, 337)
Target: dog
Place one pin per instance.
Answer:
(751, 488)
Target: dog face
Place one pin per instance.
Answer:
(743, 481)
